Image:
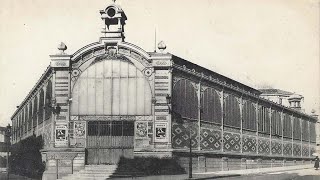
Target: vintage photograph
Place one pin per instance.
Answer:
(159, 90)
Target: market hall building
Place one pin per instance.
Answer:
(111, 99)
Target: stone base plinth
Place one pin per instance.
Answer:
(62, 161)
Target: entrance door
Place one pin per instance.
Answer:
(107, 141)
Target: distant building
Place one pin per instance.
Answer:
(284, 98)
(3, 147)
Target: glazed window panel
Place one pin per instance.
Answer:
(41, 106)
(26, 118)
(185, 100)
(231, 112)
(305, 132)
(48, 100)
(249, 116)
(35, 112)
(211, 106)
(99, 94)
(296, 128)
(91, 105)
(263, 120)
(276, 125)
(30, 116)
(111, 87)
(312, 132)
(18, 126)
(287, 126)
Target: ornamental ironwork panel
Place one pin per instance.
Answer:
(287, 148)
(181, 135)
(276, 147)
(231, 141)
(210, 139)
(249, 144)
(263, 146)
(305, 150)
(296, 149)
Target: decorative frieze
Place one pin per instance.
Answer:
(111, 118)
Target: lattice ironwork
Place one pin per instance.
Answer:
(264, 146)
(231, 142)
(296, 149)
(210, 139)
(249, 144)
(181, 137)
(276, 147)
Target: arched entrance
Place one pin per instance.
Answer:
(111, 91)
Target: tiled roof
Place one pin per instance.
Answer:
(275, 91)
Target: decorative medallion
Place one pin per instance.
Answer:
(148, 72)
(75, 72)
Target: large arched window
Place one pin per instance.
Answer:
(231, 111)
(48, 105)
(185, 99)
(249, 116)
(211, 106)
(111, 87)
(41, 106)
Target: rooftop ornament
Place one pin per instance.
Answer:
(162, 46)
(62, 47)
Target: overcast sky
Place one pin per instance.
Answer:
(257, 42)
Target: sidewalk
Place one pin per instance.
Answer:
(244, 172)
(220, 174)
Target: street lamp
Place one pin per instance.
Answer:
(179, 120)
(7, 135)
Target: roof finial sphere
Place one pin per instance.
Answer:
(62, 47)
(162, 46)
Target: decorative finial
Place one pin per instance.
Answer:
(62, 47)
(162, 46)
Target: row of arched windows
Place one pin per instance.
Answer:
(185, 103)
(33, 112)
